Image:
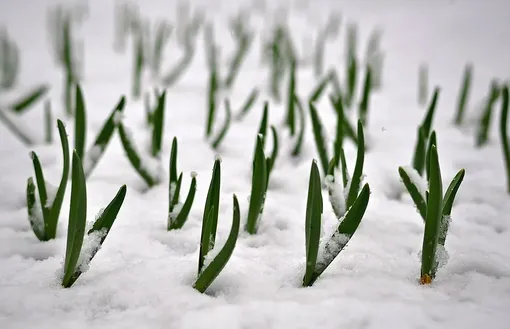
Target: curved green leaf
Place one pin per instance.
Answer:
(207, 276)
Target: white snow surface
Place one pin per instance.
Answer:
(143, 275)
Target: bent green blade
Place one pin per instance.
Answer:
(133, 156)
(427, 121)
(77, 220)
(346, 229)
(158, 120)
(109, 214)
(365, 98)
(296, 151)
(451, 192)
(226, 125)
(41, 187)
(274, 154)
(248, 104)
(290, 119)
(464, 94)
(103, 138)
(414, 192)
(258, 187)
(433, 220)
(503, 122)
(26, 101)
(207, 276)
(358, 168)
(56, 206)
(319, 89)
(104, 224)
(210, 216)
(319, 136)
(181, 218)
(314, 208)
(80, 123)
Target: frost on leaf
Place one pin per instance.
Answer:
(336, 196)
(174, 213)
(36, 218)
(91, 245)
(418, 181)
(331, 249)
(51, 192)
(210, 256)
(441, 256)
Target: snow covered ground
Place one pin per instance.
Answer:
(142, 276)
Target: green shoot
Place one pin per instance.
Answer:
(43, 215)
(365, 99)
(482, 136)
(158, 120)
(274, 154)
(464, 93)
(503, 123)
(258, 187)
(319, 136)
(9, 60)
(226, 125)
(26, 101)
(77, 258)
(210, 217)
(216, 265)
(143, 166)
(212, 92)
(80, 123)
(177, 212)
(345, 129)
(424, 131)
(48, 119)
(432, 220)
(318, 259)
(321, 86)
(296, 150)
(290, 120)
(248, 104)
(244, 40)
(329, 32)
(97, 150)
(163, 33)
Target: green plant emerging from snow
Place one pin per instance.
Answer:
(43, 213)
(81, 248)
(146, 164)
(178, 212)
(434, 208)
(318, 257)
(212, 260)
(95, 152)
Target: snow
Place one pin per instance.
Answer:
(336, 195)
(417, 180)
(143, 275)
